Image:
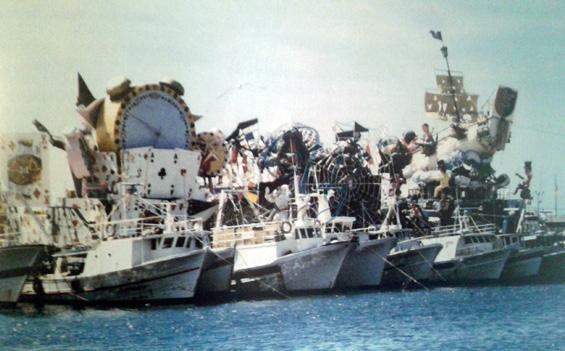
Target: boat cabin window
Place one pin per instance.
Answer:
(318, 233)
(296, 234)
(310, 232)
(468, 240)
(189, 242)
(155, 243)
(168, 242)
(180, 241)
(338, 228)
(198, 243)
(481, 239)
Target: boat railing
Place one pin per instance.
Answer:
(387, 232)
(16, 238)
(4, 242)
(147, 226)
(458, 229)
(247, 234)
(8, 236)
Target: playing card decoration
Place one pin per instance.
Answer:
(23, 174)
(162, 174)
(24, 169)
(214, 153)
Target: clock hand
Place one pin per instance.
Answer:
(148, 126)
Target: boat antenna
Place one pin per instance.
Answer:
(437, 35)
(556, 194)
(539, 195)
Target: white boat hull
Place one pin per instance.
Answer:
(308, 270)
(217, 272)
(315, 269)
(16, 264)
(473, 268)
(363, 266)
(166, 279)
(414, 263)
(553, 265)
(523, 264)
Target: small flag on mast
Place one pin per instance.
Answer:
(436, 35)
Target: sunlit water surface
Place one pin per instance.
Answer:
(485, 318)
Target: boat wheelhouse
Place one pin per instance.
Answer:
(470, 252)
(290, 255)
(136, 260)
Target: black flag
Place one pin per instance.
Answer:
(85, 97)
(241, 126)
(359, 128)
(436, 35)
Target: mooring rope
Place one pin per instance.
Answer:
(400, 270)
(244, 272)
(431, 264)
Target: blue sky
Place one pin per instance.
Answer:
(314, 62)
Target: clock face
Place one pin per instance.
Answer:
(154, 116)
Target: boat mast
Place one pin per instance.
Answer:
(539, 196)
(451, 90)
(437, 35)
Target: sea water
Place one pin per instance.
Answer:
(480, 318)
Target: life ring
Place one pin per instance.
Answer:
(286, 227)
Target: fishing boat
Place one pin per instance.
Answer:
(525, 259)
(470, 253)
(131, 229)
(217, 272)
(552, 264)
(538, 236)
(142, 260)
(523, 262)
(287, 256)
(284, 255)
(363, 266)
(17, 263)
(23, 245)
(410, 260)
(365, 263)
(552, 246)
(530, 241)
